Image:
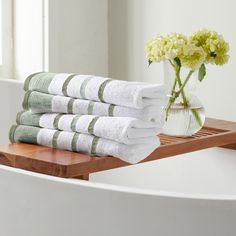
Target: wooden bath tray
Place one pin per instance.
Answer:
(215, 133)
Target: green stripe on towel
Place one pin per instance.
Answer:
(18, 117)
(25, 103)
(54, 139)
(25, 134)
(56, 121)
(12, 133)
(90, 108)
(111, 110)
(41, 81)
(65, 85)
(27, 81)
(28, 118)
(70, 105)
(102, 88)
(83, 86)
(74, 122)
(94, 146)
(92, 124)
(74, 142)
(40, 102)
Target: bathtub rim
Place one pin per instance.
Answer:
(123, 189)
(11, 81)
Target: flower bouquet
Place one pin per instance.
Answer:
(192, 54)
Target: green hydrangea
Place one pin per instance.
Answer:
(174, 45)
(155, 49)
(214, 45)
(192, 56)
(203, 46)
(169, 47)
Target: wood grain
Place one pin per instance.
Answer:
(70, 164)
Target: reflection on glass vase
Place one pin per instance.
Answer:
(186, 115)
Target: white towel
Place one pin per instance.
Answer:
(84, 143)
(45, 103)
(95, 88)
(125, 130)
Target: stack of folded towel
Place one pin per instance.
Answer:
(91, 114)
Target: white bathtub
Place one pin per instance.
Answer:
(192, 195)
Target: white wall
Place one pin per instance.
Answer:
(144, 18)
(126, 42)
(78, 38)
(117, 38)
(6, 41)
(60, 36)
(28, 37)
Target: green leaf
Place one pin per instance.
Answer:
(149, 62)
(201, 72)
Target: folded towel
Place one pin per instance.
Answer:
(95, 88)
(84, 143)
(125, 130)
(45, 103)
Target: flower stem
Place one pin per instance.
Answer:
(197, 116)
(175, 94)
(184, 83)
(171, 99)
(184, 98)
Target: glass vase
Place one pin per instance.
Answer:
(182, 120)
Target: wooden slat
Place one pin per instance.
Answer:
(69, 164)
